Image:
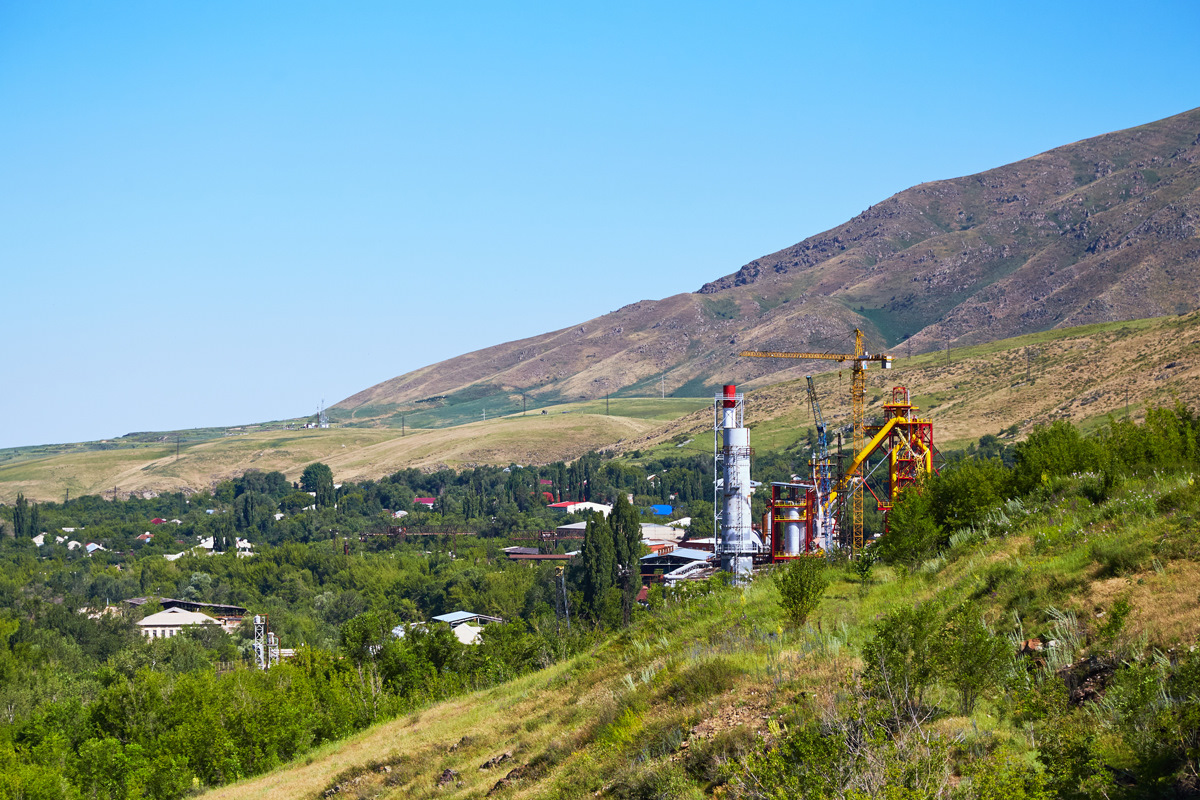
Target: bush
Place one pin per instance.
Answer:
(1050, 452)
(703, 680)
(1001, 776)
(801, 583)
(1121, 555)
(963, 494)
(901, 658)
(709, 760)
(914, 534)
(972, 659)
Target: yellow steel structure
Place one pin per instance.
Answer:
(923, 453)
(858, 392)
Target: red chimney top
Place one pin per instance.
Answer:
(730, 396)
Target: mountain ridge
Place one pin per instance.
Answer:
(1099, 230)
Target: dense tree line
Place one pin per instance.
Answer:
(971, 488)
(89, 708)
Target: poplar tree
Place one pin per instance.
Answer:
(627, 545)
(21, 517)
(599, 561)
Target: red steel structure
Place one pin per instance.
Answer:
(791, 521)
(909, 445)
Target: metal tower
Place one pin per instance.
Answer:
(266, 645)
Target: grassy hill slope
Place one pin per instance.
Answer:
(1078, 374)
(353, 453)
(688, 701)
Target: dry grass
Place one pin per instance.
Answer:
(353, 453)
(1166, 603)
(1081, 375)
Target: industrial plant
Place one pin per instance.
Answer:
(823, 512)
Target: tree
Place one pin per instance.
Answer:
(21, 517)
(964, 493)
(972, 659)
(627, 545)
(801, 583)
(913, 533)
(365, 635)
(1057, 450)
(598, 559)
(318, 478)
(294, 502)
(901, 658)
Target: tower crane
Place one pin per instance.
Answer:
(858, 392)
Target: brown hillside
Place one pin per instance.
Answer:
(1100, 230)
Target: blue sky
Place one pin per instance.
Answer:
(219, 213)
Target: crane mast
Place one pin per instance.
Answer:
(820, 460)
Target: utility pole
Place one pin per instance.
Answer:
(947, 350)
(522, 403)
(401, 426)
(606, 403)
(664, 386)
(1127, 404)
(177, 447)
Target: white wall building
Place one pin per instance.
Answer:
(166, 624)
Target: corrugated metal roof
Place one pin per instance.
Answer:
(683, 552)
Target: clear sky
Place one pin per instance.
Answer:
(214, 213)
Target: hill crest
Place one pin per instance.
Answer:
(1100, 230)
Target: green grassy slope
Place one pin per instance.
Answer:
(684, 703)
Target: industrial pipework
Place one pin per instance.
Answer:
(737, 543)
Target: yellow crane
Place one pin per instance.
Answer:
(858, 392)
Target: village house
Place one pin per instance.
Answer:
(166, 624)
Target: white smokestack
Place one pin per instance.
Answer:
(737, 541)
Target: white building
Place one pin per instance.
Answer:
(166, 624)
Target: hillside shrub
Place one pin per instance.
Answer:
(1059, 449)
(801, 583)
(1121, 555)
(914, 535)
(714, 760)
(1003, 776)
(654, 782)
(902, 657)
(963, 494)
(1169, 438)
(971, 658)
(702, 680)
